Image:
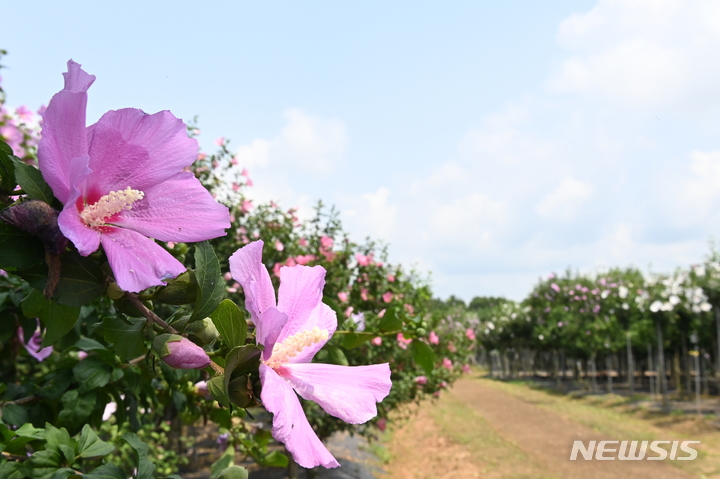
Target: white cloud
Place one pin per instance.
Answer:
(373, 214)
(565, 201)
(313, 143)
(645, 52)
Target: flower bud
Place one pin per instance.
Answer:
(180, 353)
(241, 392)
(204, 330)
(39, 219)
(181, 290)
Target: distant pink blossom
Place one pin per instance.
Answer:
(348, 311)
(343, 296)
(245, 172)
(376, 341)
(443, 385)
(422, 380)
(303, 242)
(387, 297)
(381, 313)
(391, 278)
(409, 308)
(555, 287)
(249, 182)
(82, 355)
(246, 206)
(279, 246)
(447, 364)
(292, 330)
(326, 242)
(451, 347)
(470, 334)
(364, 260)
(121, 184)
(304, 259)
(466, 369)
(364, 294)
(433, 338)
(219, 141)
(382, 424)
(227, 276)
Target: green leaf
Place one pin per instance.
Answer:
(80, 279)
(76, 408)
(230, 323)
(7, 169)
(28, 430)
(145, 467)
(90, 445)
(273, 459)
(234, 472)
(225, 461)
(19, 249)
(32, 181)
(41, 465)
(57, 318)
(390, 322)
(9, 469)
(91, 373)
(336, 356)
(14, 414)
(87, 344)
(211, 286)
(221, 417)
(217, 388)
(126, 335)
(57, 437)
(106, 471)
(353, 340)
(423, 355)
(241, 360)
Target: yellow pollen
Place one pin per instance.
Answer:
(294, 345)
(109, 205)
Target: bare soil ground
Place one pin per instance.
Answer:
(485, 428)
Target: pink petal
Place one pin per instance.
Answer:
(85, 239)
(290, 426)
(137, 261)
(178, 209)
(300, 294)
(131, 148)
(64, 134)
(248, 269)
(268, 328)
(346, 392)
(323, 317)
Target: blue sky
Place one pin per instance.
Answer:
(488, 142)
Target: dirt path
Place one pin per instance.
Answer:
(499, 435)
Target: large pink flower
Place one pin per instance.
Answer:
(292, 331)
(122, 183)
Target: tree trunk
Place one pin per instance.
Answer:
(661, 368)
(630, 365)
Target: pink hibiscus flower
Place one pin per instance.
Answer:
(122, 183)
(292, 331)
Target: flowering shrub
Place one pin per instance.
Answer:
(116, 327)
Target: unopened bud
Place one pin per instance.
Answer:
(114, 292)
(204, 330)
(39, 219)
(240, 392)
(181, 290)
(180, 353)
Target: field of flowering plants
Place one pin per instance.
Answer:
(142, 294)
(652, 333)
